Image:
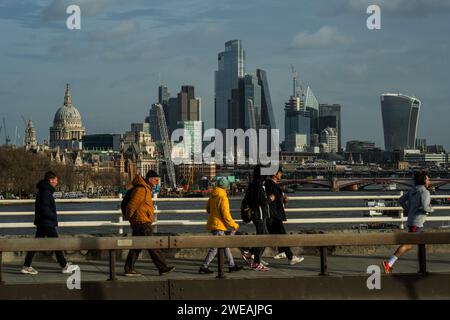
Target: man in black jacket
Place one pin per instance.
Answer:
(46, 221)
(277, 200)
(260, 213)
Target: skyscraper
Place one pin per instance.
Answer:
(330, 116)
(252, 101)
(188, 117)
(163, 94)
(297, 122)
(328, 139)
(400, 118)
(267, 115)
(231, 68)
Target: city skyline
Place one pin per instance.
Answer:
(114, 74)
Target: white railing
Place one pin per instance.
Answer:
(118, 222)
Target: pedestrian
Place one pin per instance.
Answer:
(277, 200)
(219, 219)
(259, 205)
(46, 221)
(140, 213)
(417, 205)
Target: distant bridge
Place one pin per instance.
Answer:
(337, 184)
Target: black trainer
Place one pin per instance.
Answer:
(235, 268)
(168, 270)
(205, 270)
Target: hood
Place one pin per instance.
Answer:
(44, 185)
(139, 181)
(218, 192)
(417, 189)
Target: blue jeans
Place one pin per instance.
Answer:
(212, 252)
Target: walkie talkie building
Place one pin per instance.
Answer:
(400, 117)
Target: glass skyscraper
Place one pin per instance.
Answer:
(231, 68)
(400, 118)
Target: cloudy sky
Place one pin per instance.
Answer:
(124, 51)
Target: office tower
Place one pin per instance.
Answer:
(140, 127)
(231, 68)
(400, 118)
(356, 146)
(163, 94)
(267, 115)
(252, 101)
(330, 116)
(236, 107)
(328, 139)
(421, 144)
(297, 122)
(188, 105)
(185, 113)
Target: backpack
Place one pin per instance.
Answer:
(250, 203)
(126, 201)
(246, 211)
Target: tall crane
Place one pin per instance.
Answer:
(167, 145)
(7, 140)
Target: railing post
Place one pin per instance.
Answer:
(155, 216)
(220, 261)
(1, 267)
(120, 220)
(422, 258)
(112, 265)
(400, 215)
(323, 261)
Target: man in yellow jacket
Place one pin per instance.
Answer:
(219, 220)
(140, 213)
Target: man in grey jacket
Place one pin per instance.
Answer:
(416, 204)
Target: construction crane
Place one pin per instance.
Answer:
(7, 140)
(296, 82)
(167, 145)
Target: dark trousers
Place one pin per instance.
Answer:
(142, 230)
(277, 227)
(46, 232)
(261, 228)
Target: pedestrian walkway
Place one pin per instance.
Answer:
(94, 270)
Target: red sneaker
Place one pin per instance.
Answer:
(386, 267)
(259, 267)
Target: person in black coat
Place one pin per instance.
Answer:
(277, 200)
(259, 205)
(46, 221)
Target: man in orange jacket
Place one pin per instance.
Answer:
(140, 213)
(219, 220)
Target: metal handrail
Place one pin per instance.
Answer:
(119, 223)
(294, 198)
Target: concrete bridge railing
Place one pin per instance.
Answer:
(322, 241)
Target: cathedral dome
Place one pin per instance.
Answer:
(67, 116)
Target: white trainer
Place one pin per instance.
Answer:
(29, 270)
(69, 268)
(296, 260)
(281, 255)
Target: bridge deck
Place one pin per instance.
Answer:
(188, 269)
(346, 279)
